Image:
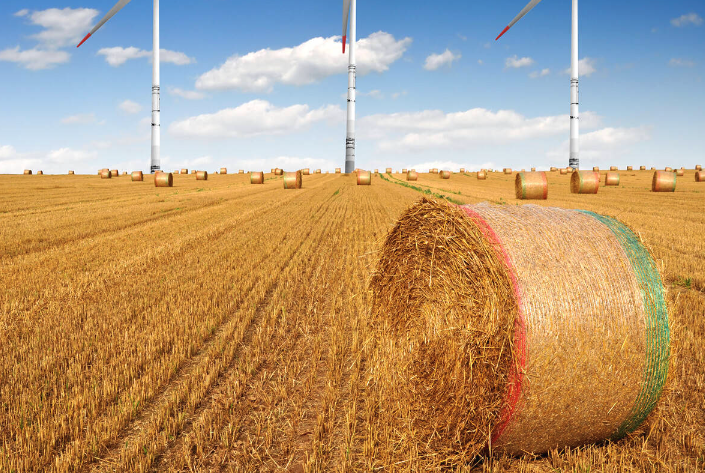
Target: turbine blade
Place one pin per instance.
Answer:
(118, 6)
(346, 13)
(529, 6)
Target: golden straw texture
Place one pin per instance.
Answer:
(445, 174)
(163, 179)
(481, 175)
(585, 182)
(105, 174)
(531, 185)
(223, 170)
(27, 172)
(137, 176)
(663, 181)
(114, 173)
(412, 176)
(202, 175)
(292, 180)
(700, 176)
(507, 170)
(612, 179)
(257, 177)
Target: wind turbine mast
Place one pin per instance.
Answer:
(349, 6)
(156, 104)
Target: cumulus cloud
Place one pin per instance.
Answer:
(257, 117)
(62, 27)
(586, 67)
(396, 95)
(12, 161)
(541, 73)
(117, 56)
(436, 61)
(7, 152)
(515, 63)
(80, 119)
(186, 94)
(603, 144)
(68, 155)
(128, 106)
(35, 59)
(304, 64)
(22, 12)
(678, 62)
(687, 20)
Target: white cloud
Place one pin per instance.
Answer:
(68, 155)
(603, 144)
(186, 94)
(541, 73)
(62, 27)
(80, 119)
(7, 152)
(654, 30)
(462, 37)
(687, 19)
(435, 61)
(479, 61)
(396, 95)
(678, 62)
(22, 12)
(304, 64)
(34, 59)
(128, 106)
(117, 56)
(12, 161)
(586, 67)
(487, 45)
(514, 62)
(257, 117)
(433, 129)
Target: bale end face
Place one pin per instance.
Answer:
(163, 179)
(364, 178)
(257, 177)
(292, 180)
(584, 182)
(663, 181)
(202, 175)
(531, 185)
(612, 179)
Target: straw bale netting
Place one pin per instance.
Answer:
(137, 176)
(698, 167)
(163, 179)
(202, 175)
(663, 181)
(445, 174)
(114, 173)
(40, 173)
(106, 174)
(223, 170)
(699, 176)
(531, 185)
(71, 173)
(364, 178)
(482, 175)
(494, 331)
(668, 169)
(585, 182)
(563, 171)
(629, 168)
(612, 179)
(27, 172)
(680, 172)
(412, 176)
(292, 180)
(642, 168)
(614, 168)
(257, 177)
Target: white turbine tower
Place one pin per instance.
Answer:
(154, 165)
(574, 116)
(350, 7)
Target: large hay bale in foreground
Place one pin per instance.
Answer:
(700, 176)
(612, 179)
(163, 179)
(481, 175)
(663, 181)
(493, 329)
(257, 177)
(412, 176)
(445, 174)
(137, 176)
(106, 174)
(531, 185)
(292, 180)
(585, 182)
(202, 175)
(27, 172)
(364, 178)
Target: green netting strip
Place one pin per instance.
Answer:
(657, 330)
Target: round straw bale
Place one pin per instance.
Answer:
(27, 172)
(595, 169)
(434, 170)
(202, 175)
(494, 332)
(388, 170)
(137, 176)
(376, 171)
(105, 174)
(585, 182)
(482, 175)
(163, 179)
(642, 168)
(412, 176)
(184, 171)
(257, 177)
(629, 168)
(698, 167)
(445, 174)
(279, 172)
(71, 173)
(337, 170)
(653, 168)
(292, 180)
(533, 169)
(612, 179)
(306, 172)
(462, 170)
(364, 178)
(114, 173)
(404, 171)
(318, 171)
(668, 169)
(507, 170)
(554, 169)
(663, 181)
(223, 170)
(614, 168)
(699, 176)
(40, 173)
(680, 172)
(193, 171)
(531, 185)
(563, 171)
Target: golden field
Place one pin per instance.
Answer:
(223, 326)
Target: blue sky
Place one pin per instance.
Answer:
(255, 85)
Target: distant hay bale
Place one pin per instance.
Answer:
(445, 174)
(318, 171)
(202, 175)
(114, 173)
(531, 185)
(278, 172)
(523, 170)
(184, 171)
(595, 169)
(554, 169)
(306, 172)
(698, 167)
(585, 182)
(337, 170)
(494, 332)
(364, 178)
(507, 170)
(388, 170)
(40, 173)
(680, 172)
(533, 169)
(257, 177)
(223, 170)
(434, 170)
(137, 176)
(642, 168)
(663, 181)
(629, 168)
(614, 168)
(462, 170)
(404, 171)
(570, 169)
(27, 172)
(163, 179)
(71, 173)
(412, 176)
(105, 174)
(612, 179)
(482, 175)
(563, 171)
(699, 176)
(292, 180)
(193, 171)
(668, 169)
(653, 168)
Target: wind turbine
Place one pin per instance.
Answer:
(349, 6)
(155, 165)
(573, 161)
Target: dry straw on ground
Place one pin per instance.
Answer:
(163, 179)
(445, 174)
(292, 180)
(700, 176)
(364, 178)
(257, 177)
(27, 172)
(137, 176)
(612, 179)
(585, 182)
(482, 175)
(663, 181)
(202, 175)
(105, 174)
(412, 176)
(479, 352)
(531, 185)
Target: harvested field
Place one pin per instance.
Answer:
(263, 357)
